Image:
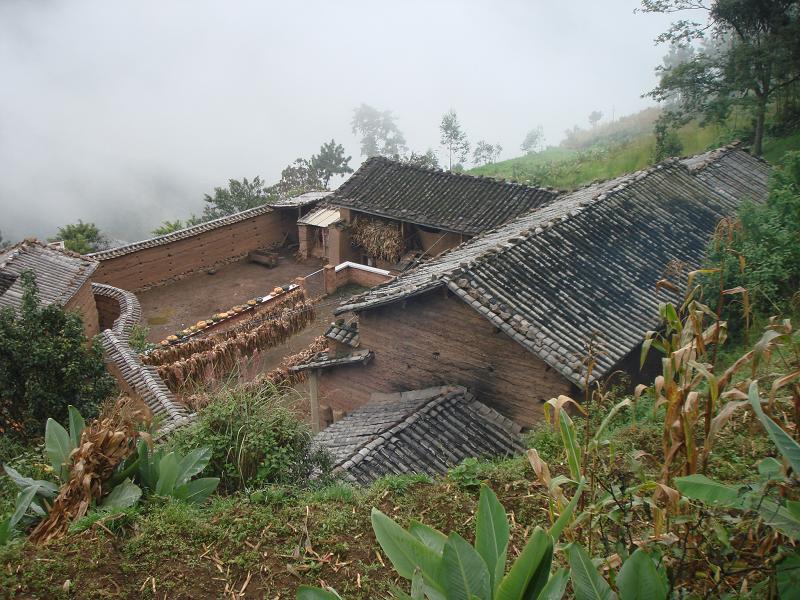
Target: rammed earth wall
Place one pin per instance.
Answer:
(167, 259)
(435, 339)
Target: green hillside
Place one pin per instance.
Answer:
(614, 149)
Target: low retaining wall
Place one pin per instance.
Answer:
(165, 258)
(350, 273)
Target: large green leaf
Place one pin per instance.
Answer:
(787, 577)
(534, 559)
(432, 538)
(58, 447)
(76, 426)
(464, 573)
(491, 535)
(556, 585)
(48, 489)
(570, 439)
(192, 464)
(587, 583)
(777, 516)
(148, 466)
(787, 446)
(167, 474)
(700, 487)
(305, 592)
(198, 490)
(24, 500)
(638, 579)
(566, 515)
(406, 552)
(598, 436)
(124, 495)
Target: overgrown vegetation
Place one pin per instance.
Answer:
(254, 438)
(46, 365)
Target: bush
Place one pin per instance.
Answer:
(254, 439)
(761, 252)
(46, 365)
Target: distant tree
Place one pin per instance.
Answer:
(330, 161)
(428, 159)
(46, 366)
(80, 237)
(594, 117)
(238, 196)
(486, 153)
(4, 243)
(667, 141)
(168, 227)
(533, 140)
(751, 56)
(297, 178)
(379, 133)
(453, 138)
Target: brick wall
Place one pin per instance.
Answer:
(83, 302)
(151, 266)
(436, 339)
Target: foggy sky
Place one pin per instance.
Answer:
(126, 112)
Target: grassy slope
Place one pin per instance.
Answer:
(567, 168)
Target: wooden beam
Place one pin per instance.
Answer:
(313, 388)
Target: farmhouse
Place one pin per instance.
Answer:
(62, 278)
(509, 314)
(389, 210)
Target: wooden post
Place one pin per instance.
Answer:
(313, 388)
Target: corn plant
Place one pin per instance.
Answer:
(784, 516)
(36, 497)
(596, 502)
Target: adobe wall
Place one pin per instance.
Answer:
(436, 339)
(436, 243)
(151, 266)
(83, 302)
(352, 276)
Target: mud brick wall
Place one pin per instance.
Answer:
(436, 339)
(83, 302)
(159, 264)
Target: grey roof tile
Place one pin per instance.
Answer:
(429, 432)
(435, 198)
(586, 264)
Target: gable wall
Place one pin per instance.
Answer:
(434, 340)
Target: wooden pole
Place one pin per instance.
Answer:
(313, 387)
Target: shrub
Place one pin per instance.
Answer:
(254, 439)
(761, 252)
(46, 365)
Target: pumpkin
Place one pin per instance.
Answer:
(201, 324)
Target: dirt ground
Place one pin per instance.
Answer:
(170, 308)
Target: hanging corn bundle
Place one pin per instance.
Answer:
(218, 360)
(105, 442)
(379, 239)
(294, 300)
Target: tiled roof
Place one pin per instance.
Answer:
(584, 266)
(435, 198)
(59, 273)
(144, 380)
(130, 311)
(425, 431)
(301, 200)
(182, 233)
(729, 170)
(344, 333)
(323, 360)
